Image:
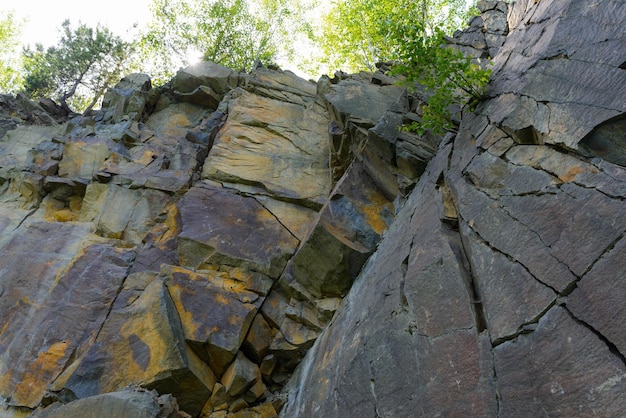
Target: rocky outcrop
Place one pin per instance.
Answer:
(192, 239)
(489, 295)
(183, 250)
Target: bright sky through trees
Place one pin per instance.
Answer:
(44, 17)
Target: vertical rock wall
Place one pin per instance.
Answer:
(181, 251)
(499, 289)
(191, 240)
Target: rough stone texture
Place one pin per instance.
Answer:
(509, 248)
(212, 221)
(216, 310)
(193, 265)
(582, 377)
(135, 403)
(554, 77)
(141, 343)
(402, 348)
(244, 245)
(279, 146)
(30, 361)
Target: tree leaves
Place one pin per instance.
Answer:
(10, 29)
(234, 33)
(410, 34)
(79, 69)
(451, 79)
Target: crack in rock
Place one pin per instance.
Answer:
(611, 347)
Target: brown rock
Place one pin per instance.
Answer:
(261, 411)
(349, 227)
(60, 310)
(257, 342)
(241, 375)
(130, 218)
(220, 227)
(216, 311)
(83, 158)
(282, 147)
(142, 342)
(268, 364)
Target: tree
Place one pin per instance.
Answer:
(450, 78)
(79, 70)
(234, 33)
(356, 34)
(10, 76)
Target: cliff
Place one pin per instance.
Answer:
(248, 245)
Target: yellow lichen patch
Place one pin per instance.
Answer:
(146, 157)
(64, 215)
(4, 327)
(46, 367)
(373, 211)
(174, 123)
(571, 174)
(234, 320)
(172, 223)
(75, 203)
(190, 326)
(219, 298)
(145, 349)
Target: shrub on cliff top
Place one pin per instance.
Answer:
(356, 34)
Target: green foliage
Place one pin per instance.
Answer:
(359, 33)
(450, 78)
(355, 34)
(234, 33)
(79, 70)
(10, 75)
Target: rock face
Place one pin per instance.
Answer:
(244, 245)
(489, 295)
(193, 239)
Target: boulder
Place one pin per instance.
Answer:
(280, 147)
(126, 403)
(128, 99)
(216, 310)
(205, 74)
(142, 343)
(240, 376)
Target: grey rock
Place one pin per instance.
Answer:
(128, 403)
(562, 382)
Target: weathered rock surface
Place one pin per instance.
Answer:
(249, 245)
(199, 205)
(137, 402)
(498, 290)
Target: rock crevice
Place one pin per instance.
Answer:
(235, 245)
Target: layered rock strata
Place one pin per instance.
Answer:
(193, 239)
(202, 240)
(499, 288)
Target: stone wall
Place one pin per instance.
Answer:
(499, 289)
(186, 248)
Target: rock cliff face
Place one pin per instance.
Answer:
(245, 245)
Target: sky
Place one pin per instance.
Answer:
(44, 17)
